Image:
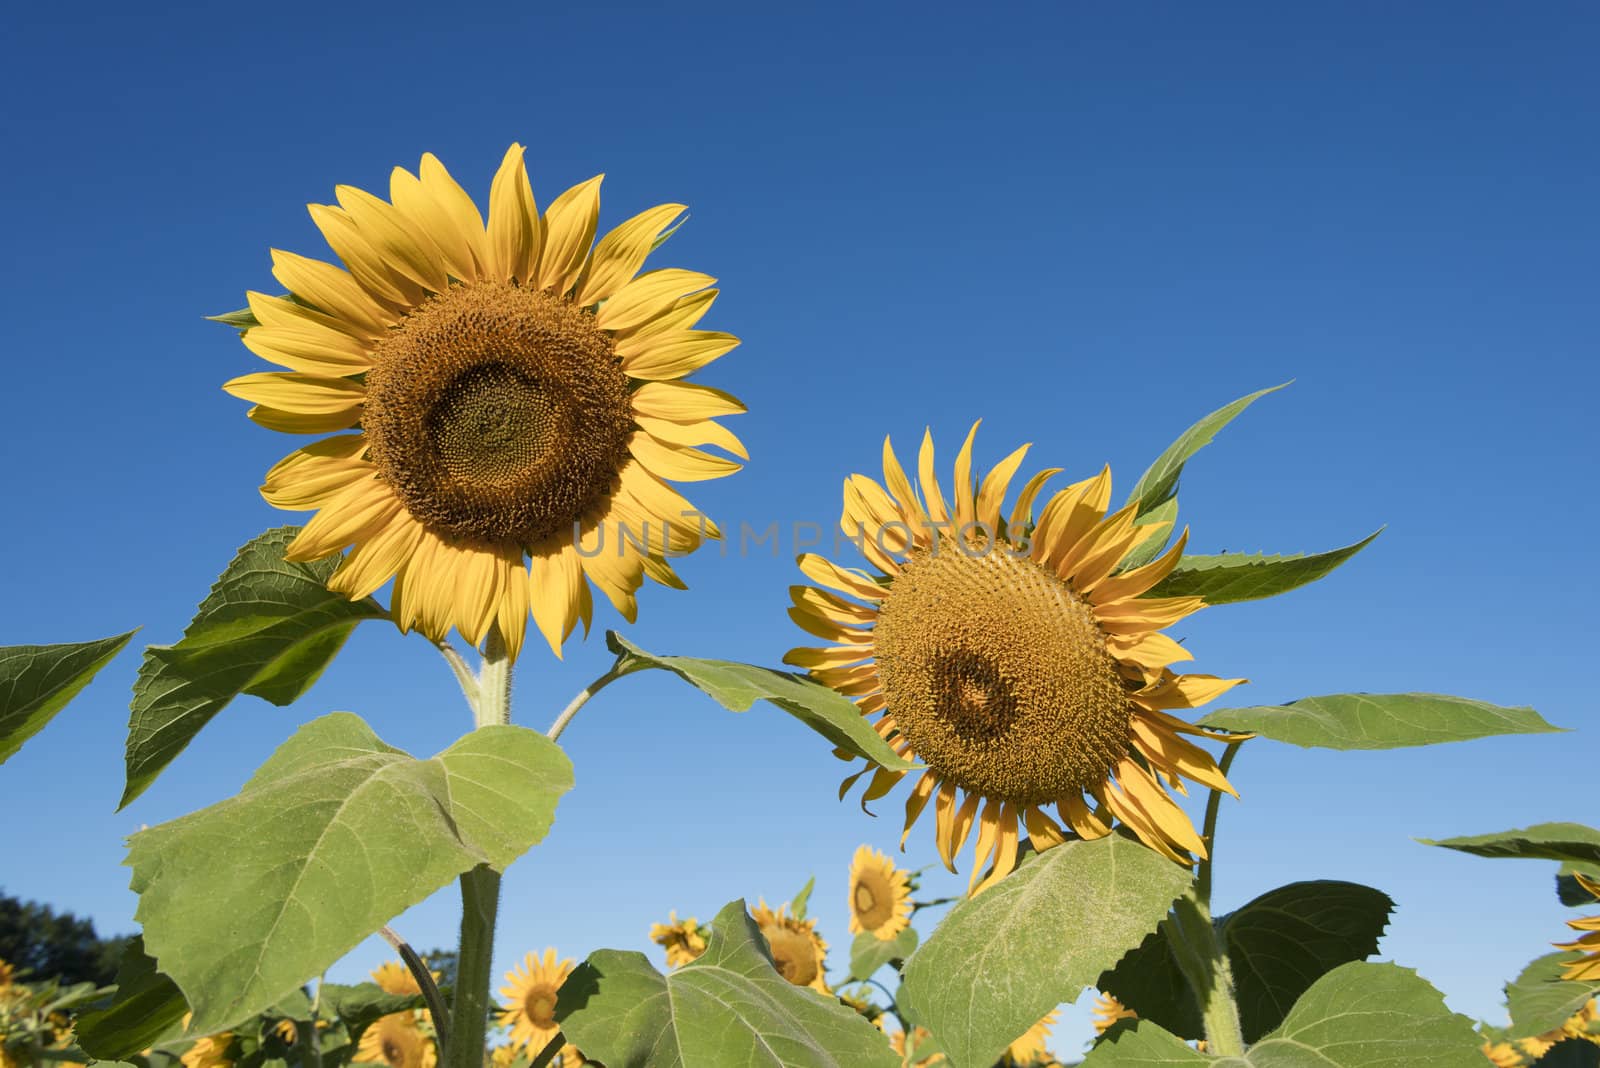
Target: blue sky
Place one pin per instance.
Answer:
(1087, 224)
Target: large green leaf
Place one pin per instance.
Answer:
(1278, 945)
(1286, 939)
(147, 1007)
(268, 628)
(331, 838)
(1379, 720)
(729, 1007)
(1159, 484)
(738, 686)
(868, 952)
(1233, 577)
(1359, 1015)
(1570, 842)
(1001, 960)
(1540, 1000)
(37, 681)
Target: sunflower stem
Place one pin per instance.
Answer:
(1202, 956)
(480, 887)
(464, 676)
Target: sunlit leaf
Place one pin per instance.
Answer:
(1540, 1000)
(727, 1007)
(1001, 960)
(1379, 720)
(1233, 577)
(333, 836)
(738, 686)
(1159, 484)
(37, 681)
(868, 952)
(268, 628)
(1572, 843)
(1359, 1015)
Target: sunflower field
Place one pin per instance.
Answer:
(493, 410)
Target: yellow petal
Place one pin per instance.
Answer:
(1185, 691)
(684, 402)
(988, 836)
(515, 233)
(301, 423)
(458, 205)
(310, 477)
(1043, 832)
(374, 561)
(662, 357)
(554, 575)
(1069, 516)
(327, 288)
(993, 490)
(295, 392)
(678, 464)
(426, 216)
(1140, 580)
(512, 611)
(1153, 650)
(273, 311)
(687, 435)
(387, 286)
(648, 295)
(1170, 753)
(358, 513)
(1083, 820)
(408, 251)
(620, 254)
(916, 801)
(910, 509)
(569, 228)
(965, 511)
(1022, 511)
(928, 481)
(1098, 551)
(309, 350)
(855, 583)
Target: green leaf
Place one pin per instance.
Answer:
(1160, 483)
(37, 681)
(1150, 548)
(242, 319)
(146, 1007)
(363, 1004)
(727, 1007)
(1540, 1000)
(868, 952)
(331, 838)
(1149, 981)
(1278, 945)
(1359, 1015)
(1569, 891)
(738, 686)
(1572, 843)
(1379, 720)
(268, 628)
(1286, 939)
(1001, 960)
(1234, 577)
(797, 905)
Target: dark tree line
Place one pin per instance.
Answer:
(44, 944)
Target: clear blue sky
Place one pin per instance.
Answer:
(1088, 224)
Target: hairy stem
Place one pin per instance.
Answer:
(582, 699)
(480, 887)
(1202, 879)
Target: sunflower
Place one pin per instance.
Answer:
(1012, 658)
(397, 1041)
(1587, 967)
(1107, 1011)
(213, 1051)
(530, 991)
(1502, 1054)
(680, 938)
(506, 394)
(880, 895)
(798, 952)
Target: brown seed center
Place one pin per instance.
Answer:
(999, 676)
(498, 414)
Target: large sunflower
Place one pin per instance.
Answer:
(530, 994)
(880, 895)
(510, 397)
(1012, 658)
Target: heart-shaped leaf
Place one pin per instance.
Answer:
(330, 839)
(729, 1006)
